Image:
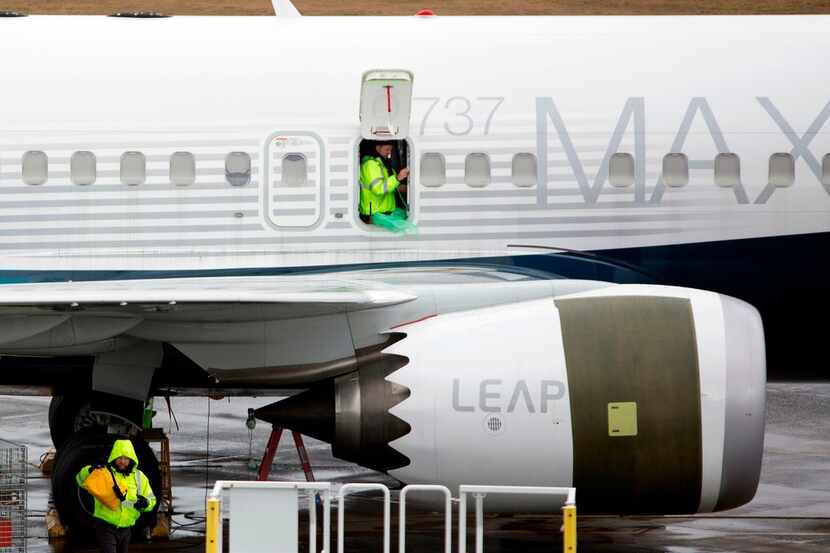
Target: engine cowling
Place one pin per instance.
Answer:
(647, 399)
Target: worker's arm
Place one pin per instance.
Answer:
(374, 179)
(147, 492)
(82, 475)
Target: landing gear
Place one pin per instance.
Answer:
(84, 448)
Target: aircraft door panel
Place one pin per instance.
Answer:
(293, 183)
(385, 104)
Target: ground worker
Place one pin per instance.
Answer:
(115, 516)
(379, 184)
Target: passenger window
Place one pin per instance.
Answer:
(238, 168)
(35, 167)
(781, 170)
(294, 170)
(433, 170)
(133, 168)
(182, 169)
(621, 170)
(825, 170)
(477, 170)
(675, 170)
(727, 170)
(523, 170)
(82, 168)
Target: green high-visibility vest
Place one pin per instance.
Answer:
(135, 482)
(377, 187)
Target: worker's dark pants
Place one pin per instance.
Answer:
(111, 539)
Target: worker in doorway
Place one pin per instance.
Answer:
(379, 183)
(121, 491)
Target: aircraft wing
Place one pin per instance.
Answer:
(183, 293)
(275, 329)
(263, 332)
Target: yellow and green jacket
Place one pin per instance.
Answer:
(135, 482)
(377, 187)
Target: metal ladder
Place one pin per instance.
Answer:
(271, 451)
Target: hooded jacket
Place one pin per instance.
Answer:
(133, 480)
(377, 187)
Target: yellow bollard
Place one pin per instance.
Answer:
(569, 529)
(212, 523)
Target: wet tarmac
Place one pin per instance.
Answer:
(791, 511)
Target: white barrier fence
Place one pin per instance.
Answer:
(480, 492)
(341, 511)
(264, 515)
(447, 514)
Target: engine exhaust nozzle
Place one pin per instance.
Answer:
(351, 412)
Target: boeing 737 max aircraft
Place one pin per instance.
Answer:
(200, 176)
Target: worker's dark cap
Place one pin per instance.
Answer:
(383, 143)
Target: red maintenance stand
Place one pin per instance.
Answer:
(271, 452)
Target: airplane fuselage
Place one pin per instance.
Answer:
(565, 93)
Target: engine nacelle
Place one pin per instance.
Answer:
(647, 399)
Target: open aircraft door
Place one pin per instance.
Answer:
(385, 111)
(385, 104)
(293, 184)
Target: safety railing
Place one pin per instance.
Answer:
(447, 514)
(276, 503)
(213, 522)
(479, 492)
(341, 512)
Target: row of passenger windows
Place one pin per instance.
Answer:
(727, 170)
(83, 168)
(477, 170)
(621, 170)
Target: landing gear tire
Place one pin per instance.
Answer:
(67, 414)
(75, 506)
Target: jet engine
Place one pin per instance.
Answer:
(647, 399)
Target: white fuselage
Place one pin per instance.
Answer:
(572, 91)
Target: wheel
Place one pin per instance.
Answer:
(67, 414)
(75, 506)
